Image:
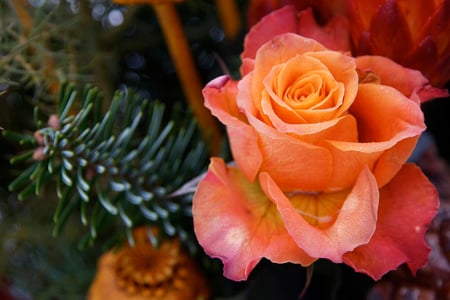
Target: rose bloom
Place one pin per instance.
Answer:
(320, 140)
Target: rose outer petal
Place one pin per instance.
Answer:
(281, 21)
(383, 148)
(407, 206)
(408, 81)
(235, 222)
(220, 98)
(335, 35)
(353, 226)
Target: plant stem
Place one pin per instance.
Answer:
(187, 71)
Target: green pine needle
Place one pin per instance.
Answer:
(120, 167)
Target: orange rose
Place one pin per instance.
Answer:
(320, 140)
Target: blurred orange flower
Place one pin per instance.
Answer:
(146, 272)
(413, 33)
(324, 9)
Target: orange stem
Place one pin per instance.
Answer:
(229, 17)
(187, 71)
(24, 17)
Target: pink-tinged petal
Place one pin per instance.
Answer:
(407, 206)
(353, 226)
(280, 21)
(335, 35)
(248, 64)
(408, 81)
(220, 98)
(235, 222)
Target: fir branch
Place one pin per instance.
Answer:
(125, 164)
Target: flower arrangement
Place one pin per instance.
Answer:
(318, 172)
(310, 138)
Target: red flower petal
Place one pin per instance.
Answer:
(386, 41)
(236, 222)
(407, 206)
(354, 225)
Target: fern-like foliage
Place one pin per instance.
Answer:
(28, 51)
(124, 165)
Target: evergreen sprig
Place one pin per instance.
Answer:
(127, 164)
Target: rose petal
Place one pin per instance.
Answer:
(333, 71)
(280, 21)
(409, 82)
(339, 129)
(383, 148)
(407, 206)
(353, 226)
(343, 69)
(235, 222)
(277, 51)
(321, 101)
(377, 104)
(287, 170)
(335, 35)
(220, 99)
